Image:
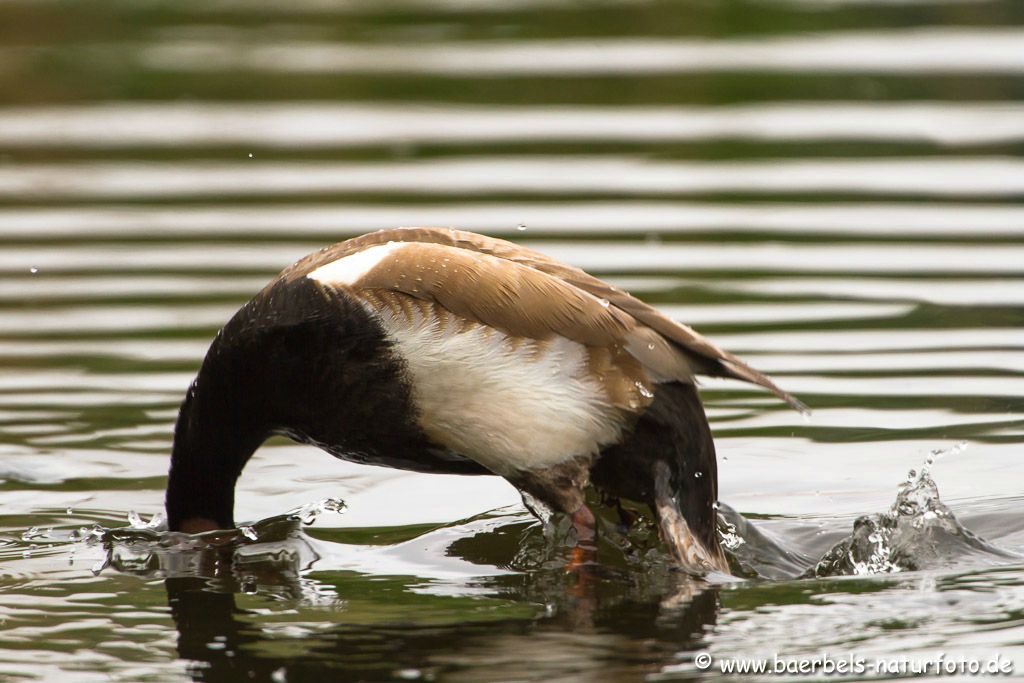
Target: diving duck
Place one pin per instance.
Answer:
(444, 351)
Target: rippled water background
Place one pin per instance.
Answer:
(831, 189)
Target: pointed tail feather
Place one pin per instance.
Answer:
(737, 369)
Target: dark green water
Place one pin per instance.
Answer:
(831, 189)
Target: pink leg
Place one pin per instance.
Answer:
(585, 552)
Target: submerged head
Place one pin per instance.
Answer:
(212, 444)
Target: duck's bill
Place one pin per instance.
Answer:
(691, 554)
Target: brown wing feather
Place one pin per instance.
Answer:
(559, 303)
(513, 298)
(710, 359)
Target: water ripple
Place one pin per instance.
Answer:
(915, 51)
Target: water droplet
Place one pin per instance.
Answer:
(308, 513)
(644, 391)
(69, 511)
(521, 227)
(336, 505)
(279, 675)
(157, 521)
(250, 155)
(698, 475)
(604, 302)
(728, 536)
(249, 533)
(650, 347)
(33, 270)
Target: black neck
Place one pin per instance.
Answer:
(300, 361)
(295, 360)
(216, 434)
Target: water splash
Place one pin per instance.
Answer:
(917, 532)
(158, 522)
(754, 551)
(727, 535)
(644, 391)
(308, 513)
(86, 534)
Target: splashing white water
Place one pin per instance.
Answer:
(727, 535)
(308, 513)
(917, 532)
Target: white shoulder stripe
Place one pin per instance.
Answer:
(350, 269)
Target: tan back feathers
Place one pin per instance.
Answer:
(525, 294)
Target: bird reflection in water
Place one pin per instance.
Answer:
(606, 624)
